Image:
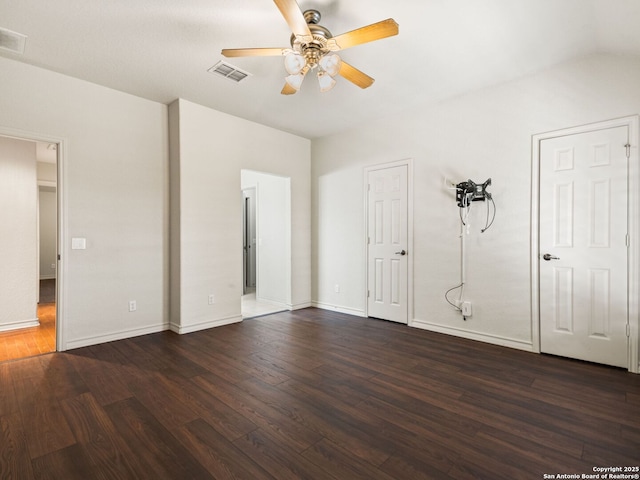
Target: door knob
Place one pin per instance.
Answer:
(401, 252)
(548, 256)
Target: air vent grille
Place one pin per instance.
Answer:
(229, 72)
(12, 41)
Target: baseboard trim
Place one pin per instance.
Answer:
(195, 327)
(481, 337)
(281, 305)
(338, 308)
(7, 327)
(110, 337)
(300, 306)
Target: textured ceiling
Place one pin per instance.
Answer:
(161, 50)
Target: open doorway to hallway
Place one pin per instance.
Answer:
(28, 244)
(266, 243)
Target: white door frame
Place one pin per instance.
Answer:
(409, 164)
(633, 222)
(61, 270)
(251, 250)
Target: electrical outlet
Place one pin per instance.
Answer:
(466, 309)
(53, 266)
(212, 299)
(133, 306)
(336, 288)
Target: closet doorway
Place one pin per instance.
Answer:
(28, 247)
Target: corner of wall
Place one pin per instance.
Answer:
(174, 213)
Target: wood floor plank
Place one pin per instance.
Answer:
(424, 464)
(156, 396)
(266, 450)
(163, 456)
(311, 394)
(340, 389)
(8, 401)
(159, 347)
(435, 430)
(102, 378)
(209, 360)
(216, 413)
(514, 425)
(524, 454)
(62, 376)
(266, 373)
(45, 428)
(347, 435)
(260, 412)
(339, 464)
(15, 462)
(97, 436)
(70, 463)
(223, 459)
(570, 422)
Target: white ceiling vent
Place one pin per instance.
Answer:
(228, 71)
(12, 41)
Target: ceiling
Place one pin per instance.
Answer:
(161, 50)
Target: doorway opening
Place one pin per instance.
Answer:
(266, 220)
(29, 283)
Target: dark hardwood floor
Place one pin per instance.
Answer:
(312, 394)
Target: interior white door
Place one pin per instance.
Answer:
(387, 224)
(583, 246)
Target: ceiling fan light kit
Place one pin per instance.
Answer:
(313, 47)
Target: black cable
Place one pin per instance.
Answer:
(449, 301)
(487, 223)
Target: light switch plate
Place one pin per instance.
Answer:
(78, 243)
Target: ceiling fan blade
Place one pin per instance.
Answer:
(354, 75)
(295, 19)
(375, 31)
(254, 52)
(288, 89)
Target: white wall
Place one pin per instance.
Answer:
(115, 182)
(47, 172)
(483, 134)
(273, 205)
(47, 214)
(18, 245)
(209, 149)
(47, 219)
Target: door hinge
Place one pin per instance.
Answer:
(628, 330)
(368, 293)
(627, 240)
(628, 147)
(58, 256)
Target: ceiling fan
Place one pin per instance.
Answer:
(313, 46)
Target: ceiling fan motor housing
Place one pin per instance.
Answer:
(315, 49)
(312, 16)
